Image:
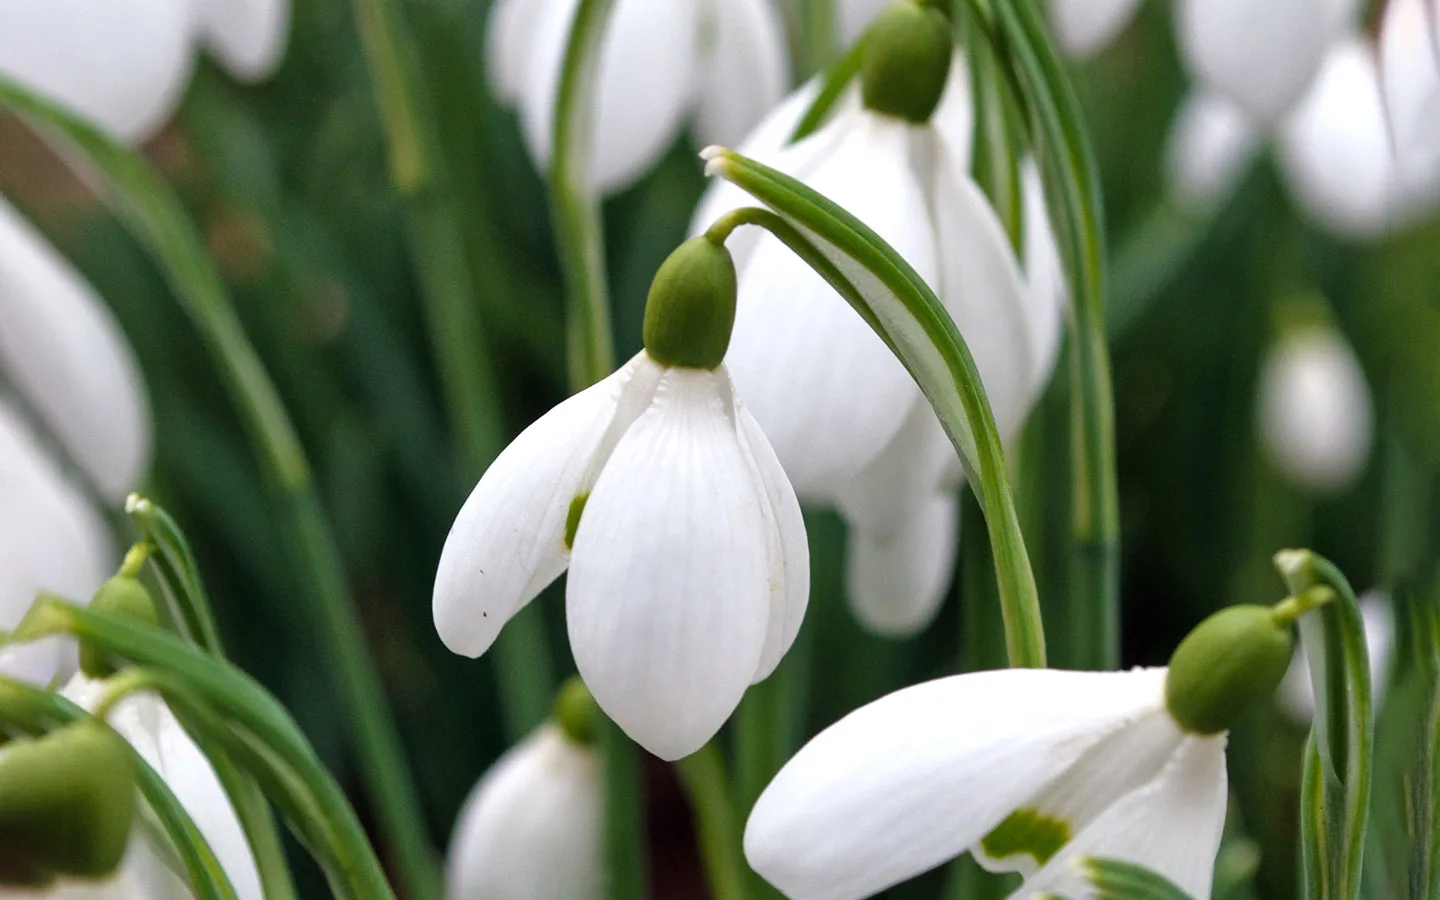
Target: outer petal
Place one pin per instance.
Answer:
(248, 36)
(1171, 826)
(511, 34)
(1085, 27)
(669, 597)
(531, 828)
(897, 583)
(1410, 79)
(745, 69)
(1314, 412)
(508, 541)
(954, 118)
(122, 65)
(825, 388)
(1210, 146)
(1335, 150)
(913, 779)
(1047, 295)
(61, 347)
(1259, 55)
(788, 551)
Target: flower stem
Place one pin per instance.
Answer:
(624, 816)
(703, 775)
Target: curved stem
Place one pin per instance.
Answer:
(703, 775)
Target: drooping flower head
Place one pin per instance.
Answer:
(689, 569)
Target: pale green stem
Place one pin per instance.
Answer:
(626, 877)
(703, 775)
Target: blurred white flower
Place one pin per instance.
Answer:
(1314, 409)
(1085, 27)
(65, 362)
(1029, 769)
(849, 424)
(721, 62)
(1296, 695)
(853, 16)
(1210, 146)
(126, 65)
(689, 573)
(1410, 82)
(532, 827)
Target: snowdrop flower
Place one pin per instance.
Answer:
(1030, 770)
(689, 569)
(125, 65)
(1314, 409)
(1297, 695)
(69, 372)
(1085, 27)
(846, 420)
(720, 62)
(532, 827)
(1210, 146)
(1410, 81)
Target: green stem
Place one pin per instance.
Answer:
(625, 856)
(703, 775)
(762, 743)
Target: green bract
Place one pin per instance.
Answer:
(122, 595)
(906, 61)
(66, 803)
(691, 307)
(1232, 659)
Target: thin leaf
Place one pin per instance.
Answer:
(1117, 880)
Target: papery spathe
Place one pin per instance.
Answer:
(1296, 695)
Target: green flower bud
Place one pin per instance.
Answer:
(66, 804)
(905, 61)
(1231, 660)
(122, 595)
(576, 713)
(691, 307)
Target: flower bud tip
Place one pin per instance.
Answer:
(1230, 661)
(691, 308)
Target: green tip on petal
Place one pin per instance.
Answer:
(576, 712)
(1230, 661)
(906, 61)
(121, 595)
(691, 308)
(67, 801)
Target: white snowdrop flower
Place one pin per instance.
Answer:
(125, 66)
(848, 423)
(1031, 770)
(689, 569)
(1410, 82)
(1210, 146)
(1315, 417)
(1261, 56)
(854, 16)
(1085, 27)
(532, 827)
(721, 63)
(1297, 695)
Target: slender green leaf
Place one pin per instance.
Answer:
(1117, 880)
(178, 573)
(625, 867)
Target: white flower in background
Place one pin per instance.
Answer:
(854, 16)
(1314, 409)
(1410, 82)
(689, 568)
(532, 827)
(848, 423)
(126, 65)
(720, 63)
(1085, 27)
(1260, 56)
(1297, 695)
(1210, 147)
(66, 364)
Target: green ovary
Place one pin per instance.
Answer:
(1027, 831)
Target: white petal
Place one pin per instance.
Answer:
(1410, 79)
(826, 389)
(247, 36)
(511, 34)
(1171, 826)
(896, 584)
(51, 538)
(34, 662)
(1335, 150)
(1315, 415)
(1085, 27)
(913, 779)
(668, 602)
(1261, 56)
(644, 86)
(531, 828)
(912, 468)
(121, 65)
(1047, 295)
(745, 69)
(788, 551)
(954, 118)
(854, 17)
(508, 542)
(1209, 148)
(62, 349)
(1296, 695)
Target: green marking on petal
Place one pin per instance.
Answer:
(572, 519)
(1027, 831)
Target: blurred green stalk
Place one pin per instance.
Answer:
(703, 775)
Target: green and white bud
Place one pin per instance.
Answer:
(66, 805)
(690, 311)
(1233, 659)
(906, 61)
(121, 595)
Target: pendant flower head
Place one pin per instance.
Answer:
(847, 421)
(722, 62)
(689, 569)
(1031, 770)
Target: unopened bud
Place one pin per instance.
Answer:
(906, 61)
(1230, 661)
(121, 595)
(691, 308)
